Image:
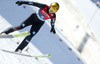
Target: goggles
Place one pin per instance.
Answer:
(53, 10)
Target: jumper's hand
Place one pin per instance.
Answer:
(53, 30)
(19, 3)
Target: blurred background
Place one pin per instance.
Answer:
(77, 26)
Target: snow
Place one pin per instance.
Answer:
(91, 13)
(44, 42)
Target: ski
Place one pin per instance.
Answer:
(22, 34)
(32, 56)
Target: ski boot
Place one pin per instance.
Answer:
(19, 51)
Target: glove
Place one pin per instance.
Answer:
(53, 30)
(19, 3)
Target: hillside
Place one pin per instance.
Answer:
(44, 42)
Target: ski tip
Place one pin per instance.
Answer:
(41, 56)
(48, 55)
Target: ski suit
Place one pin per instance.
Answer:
(36, 20)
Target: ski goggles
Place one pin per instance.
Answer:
(53, 10)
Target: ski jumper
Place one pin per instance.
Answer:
(36, 20)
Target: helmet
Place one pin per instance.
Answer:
(55, 6)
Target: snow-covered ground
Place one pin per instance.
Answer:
(91, 13)
(44, 42)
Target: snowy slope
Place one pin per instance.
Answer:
(11, 44)
(44, 42)
(91, 13)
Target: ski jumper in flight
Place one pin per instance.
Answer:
(36, 19)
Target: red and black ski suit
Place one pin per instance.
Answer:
(36, 20)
